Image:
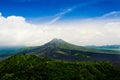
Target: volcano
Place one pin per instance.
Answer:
(60, 49)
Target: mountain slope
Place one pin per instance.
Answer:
(60, 49)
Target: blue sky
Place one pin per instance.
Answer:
(47, 9)
(81, 22)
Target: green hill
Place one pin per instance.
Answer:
(31, 67)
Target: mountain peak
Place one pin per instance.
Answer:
(57, 43)
(55, 40)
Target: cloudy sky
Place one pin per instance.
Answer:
(81, 22)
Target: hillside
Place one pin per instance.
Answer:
(60, 49)
(61, 44)
(31, 67)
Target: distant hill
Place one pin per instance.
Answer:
(8, 50)
(31, 67)
(60, 49)
(105, 47)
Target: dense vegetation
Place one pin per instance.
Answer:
(31, 67)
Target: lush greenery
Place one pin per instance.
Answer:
(31, 67)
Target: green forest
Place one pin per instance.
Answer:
(31, 67)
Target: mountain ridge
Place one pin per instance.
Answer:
(60, 49)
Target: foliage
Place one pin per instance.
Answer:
(78, 55)
(31, 67)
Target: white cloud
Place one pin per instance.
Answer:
(0, 14)
(113, 14)
(60, 15)
(14, 30)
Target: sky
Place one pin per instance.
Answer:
(81, 22)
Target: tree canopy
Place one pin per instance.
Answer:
(31, 67)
